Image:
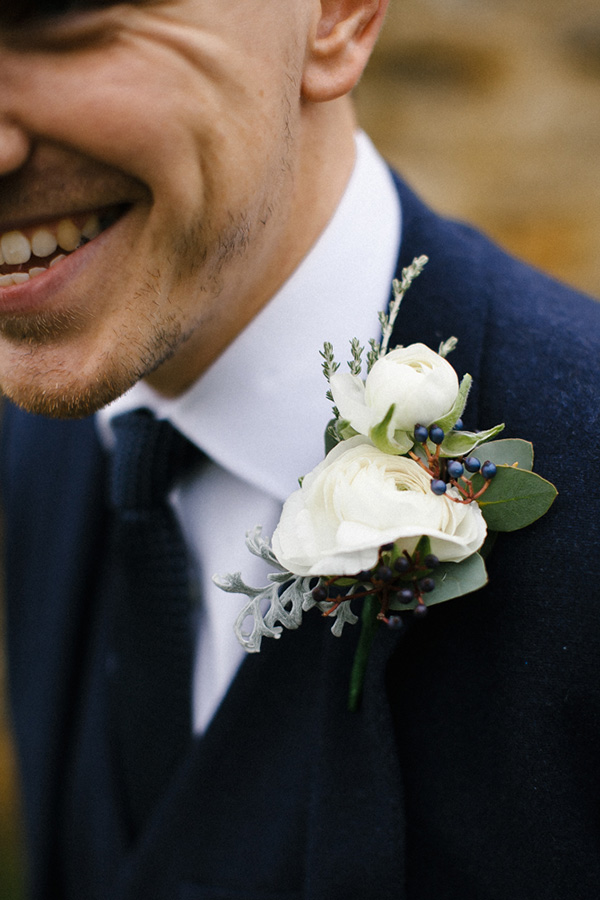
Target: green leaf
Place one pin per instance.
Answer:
(400, 443)
(459, 443)
(368, 629)
(509, 451)
(514, 499)
(378, 434)
(453, 580)
(332, 438)
(451, 418)
(345, 429)
(488, 544)
(337, 430)
(423, 548)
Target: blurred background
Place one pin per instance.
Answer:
(491, 110)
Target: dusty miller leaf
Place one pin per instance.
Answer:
(279, 604)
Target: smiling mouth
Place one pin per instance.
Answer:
(29, 253)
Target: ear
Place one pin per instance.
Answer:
(343, 36)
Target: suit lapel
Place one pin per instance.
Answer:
(49, 613)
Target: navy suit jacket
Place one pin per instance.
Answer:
(472, 769)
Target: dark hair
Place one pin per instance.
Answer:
(20, 12)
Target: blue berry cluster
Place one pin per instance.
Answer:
(434, 434)
(396, 577)
(454, 468)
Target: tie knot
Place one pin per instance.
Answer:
(148, 457)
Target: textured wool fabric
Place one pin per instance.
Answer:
(470, 771)
(147, 591)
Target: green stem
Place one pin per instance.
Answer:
(369, 624)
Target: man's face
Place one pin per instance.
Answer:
(163, 138)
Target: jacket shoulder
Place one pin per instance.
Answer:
(531, 342)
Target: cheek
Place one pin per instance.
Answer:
(183, 110)
(122, 115)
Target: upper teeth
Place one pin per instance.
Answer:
(43, 242)
(16, 248)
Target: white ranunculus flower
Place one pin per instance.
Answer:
(420, 384)
(358, 499)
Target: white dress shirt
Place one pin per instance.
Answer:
(259, 412)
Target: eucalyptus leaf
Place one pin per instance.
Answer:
(460, 443)
(514, 499)
(508, 451)
(453, 580)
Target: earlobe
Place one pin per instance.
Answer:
(340, 47)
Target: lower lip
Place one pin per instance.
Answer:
(43, 291)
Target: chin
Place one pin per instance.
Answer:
(65, 402)
(66, 392)
(46, 379)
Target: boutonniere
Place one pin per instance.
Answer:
(403, 509)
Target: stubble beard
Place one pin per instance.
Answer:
(154, 335)
(57, 392)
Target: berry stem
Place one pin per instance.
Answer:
(418, 460)
(482, 490)
(468, 495)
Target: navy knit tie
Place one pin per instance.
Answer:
(149, 596)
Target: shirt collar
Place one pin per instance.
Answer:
(260, 410)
